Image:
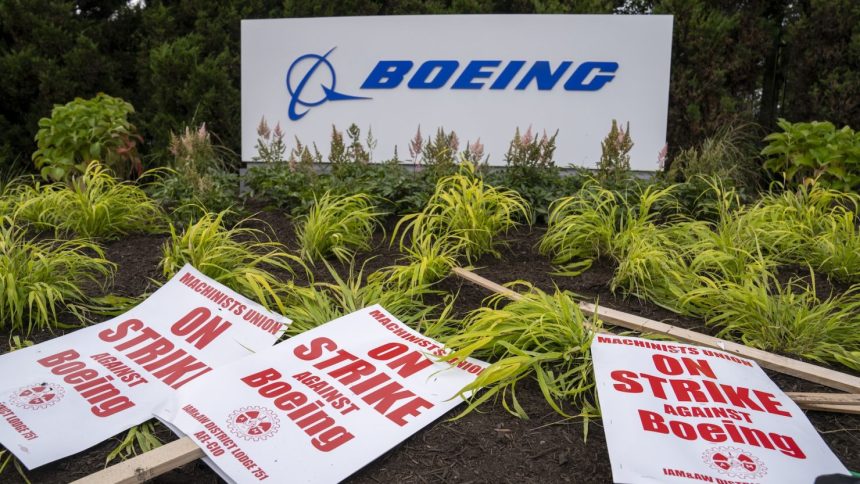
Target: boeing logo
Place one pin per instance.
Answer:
(312, 62)
(493, 75)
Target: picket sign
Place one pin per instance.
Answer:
(182, 451)
(788, 366)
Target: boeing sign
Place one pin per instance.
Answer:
(481, 76)
(436, 74)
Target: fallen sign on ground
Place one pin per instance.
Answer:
(320, 405)
(72, 392)
(674, 412)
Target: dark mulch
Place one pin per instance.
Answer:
(485, 446)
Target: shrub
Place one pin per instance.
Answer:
(38, 279)
(545, 336)
(309, 307)
(597, 222)
(427, 260)
(811, 225)
(337, 225)
(241, 258)
(198, 180)
(270, 144)
(292, 190)
(97, 205)
(816, 152)
(729, 155)
(93, 205)
(786, 318)
(468, 212)
(85, 130)
(614, 164)
(532, 173)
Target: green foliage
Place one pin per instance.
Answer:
(93, 205)
(532, 173)
(241, 258)
(468, 212)
(544, 336)
(289, 189)
(139, 439)
(528, 153)
(439, 154)
(426, 260)
(40, 278)
(322, 302)
(337, 225)
(811, 225)
(614, 164)
(270, 144)
(815, 152)
(729, 155)
(600, 222)
(293, 188)
(786, 318)
(85, 130)
(198, 180)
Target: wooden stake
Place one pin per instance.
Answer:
(825, 398)
(149, 465)
(788, 366)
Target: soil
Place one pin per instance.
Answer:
(489, 445)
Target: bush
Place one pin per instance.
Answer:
(322, 302)
(545, 336)
(786, 318)
(239, 257)
(816, 152)
(86, 130)
(468, 212)
(94, 205)
(38, 279)
(198, 180)
(613, 167)
(730, 156)
(337, 225)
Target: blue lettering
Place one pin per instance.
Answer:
(575, 83)
(475, 71)
(508, 74)
(544, 76)
(435, 74)
(387, 75)
(443, 70)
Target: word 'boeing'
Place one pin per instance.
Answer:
(435, 74)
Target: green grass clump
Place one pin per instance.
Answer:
(786, 318)
(468, 213)
(600, 222)
(811, 225)
(425, 262)
(544, 336)
(321, 302)
(337, 225)
(93, 205)
(39, 279)
(241, 258)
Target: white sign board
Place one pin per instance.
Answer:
(323, 404)
(680, 413)
(72, 392)
(482, 76)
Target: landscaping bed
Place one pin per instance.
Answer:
(488, 445)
